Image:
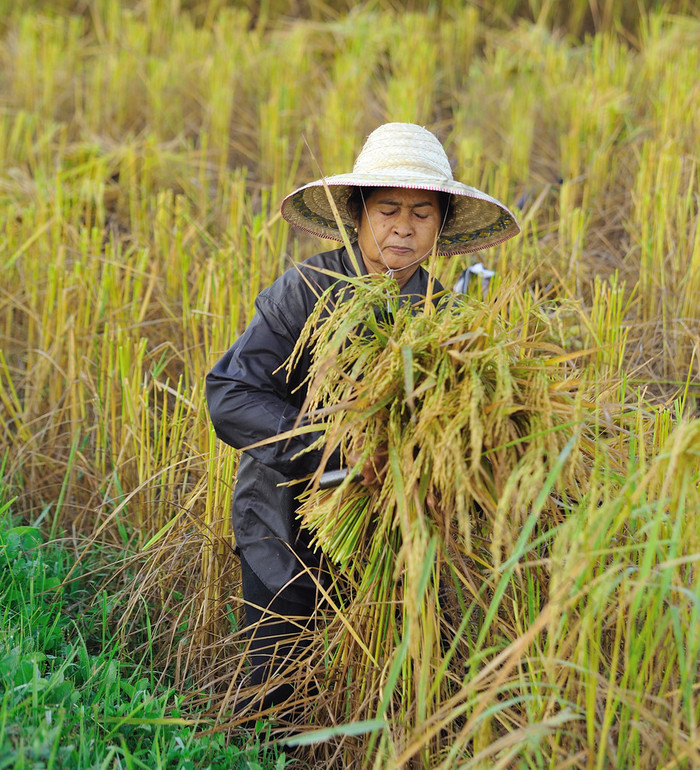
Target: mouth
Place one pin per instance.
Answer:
(400, 251)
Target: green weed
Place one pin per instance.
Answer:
(69, 698)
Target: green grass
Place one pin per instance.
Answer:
(69, 695)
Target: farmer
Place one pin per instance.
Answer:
(398, 199)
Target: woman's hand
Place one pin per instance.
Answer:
(373, 471)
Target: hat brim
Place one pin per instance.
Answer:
(477, 220)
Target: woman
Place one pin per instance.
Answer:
(398, 199)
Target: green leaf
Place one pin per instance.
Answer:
(30, 537)
(351, 729)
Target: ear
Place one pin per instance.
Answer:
(354, 212)
(357, 221)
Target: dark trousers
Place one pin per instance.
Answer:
(278, 630)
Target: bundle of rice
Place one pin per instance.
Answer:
(473, 413)
(487, 434)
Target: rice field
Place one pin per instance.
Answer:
(145, 148)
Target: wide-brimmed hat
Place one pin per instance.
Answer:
(404, 155)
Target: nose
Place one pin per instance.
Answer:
(402, 224)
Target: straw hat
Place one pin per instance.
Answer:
(404, 155)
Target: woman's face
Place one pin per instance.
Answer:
(397, 230)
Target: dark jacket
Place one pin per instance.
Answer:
(250, 400)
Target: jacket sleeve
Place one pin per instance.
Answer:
(249, 398)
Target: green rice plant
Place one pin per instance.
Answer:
(360, 44)
(634, 639)
(409, 92)
(607, 332)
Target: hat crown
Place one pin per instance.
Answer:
(404, 148)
